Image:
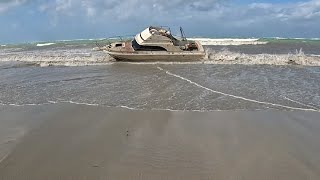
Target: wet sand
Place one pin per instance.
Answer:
(68, 141)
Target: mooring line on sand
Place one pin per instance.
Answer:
(234, 96)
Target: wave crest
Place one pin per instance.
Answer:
(84, 57)
(45, 44)
(227, 57)
(59, 58)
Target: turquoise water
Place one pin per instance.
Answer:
(103, 41)
(292, 41)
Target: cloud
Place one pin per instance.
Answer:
(259, 13)
(127, 9)
(304, 11)
(154, 10)
(160, 11)
(62, 5)
(78, 18)
(207, 16)
(5, 5)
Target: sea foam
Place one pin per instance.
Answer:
(229, 57)
(76, 57)
(308, 107)
(227, 41)
(45, 44)
(84, 57)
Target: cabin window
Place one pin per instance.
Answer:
(141, 37)
(118, 45)
(137, 47)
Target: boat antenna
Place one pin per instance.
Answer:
(183, 34)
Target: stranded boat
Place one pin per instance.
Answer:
(156, 44)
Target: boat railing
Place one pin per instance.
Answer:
(113, 39)
(104, 43)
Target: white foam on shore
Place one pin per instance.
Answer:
(70, 40)
(79, 103)
(228, 57)
(234, 96)
(45, 44)
(22, 105)
(288, 38)
(172, 110)
(123, 107)
(313, 107)
(130, 108)
(48, 103)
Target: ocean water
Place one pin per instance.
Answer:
(255, 86)
(123, 120)
(190, 87)
(80, 52)
(274, 45)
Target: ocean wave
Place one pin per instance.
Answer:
(58, 57)
(227, 41)
(68, 40)
(45, 44)
(228, 57)
(85, 57)
(288, 38)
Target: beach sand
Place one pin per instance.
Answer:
(68, 141)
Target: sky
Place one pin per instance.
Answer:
(46, 20)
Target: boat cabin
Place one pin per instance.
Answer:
(161, 39)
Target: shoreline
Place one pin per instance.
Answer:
(222, 57)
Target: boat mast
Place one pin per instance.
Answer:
(183, 34)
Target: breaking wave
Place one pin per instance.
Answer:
(84, 57)
(228, 41)
(45, 44)
(80, 57)
(227, 57)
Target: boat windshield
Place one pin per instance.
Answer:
(137, 47)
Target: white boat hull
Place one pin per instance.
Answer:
(157, 56)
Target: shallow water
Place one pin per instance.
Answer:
(195, 87)
(159, 121)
